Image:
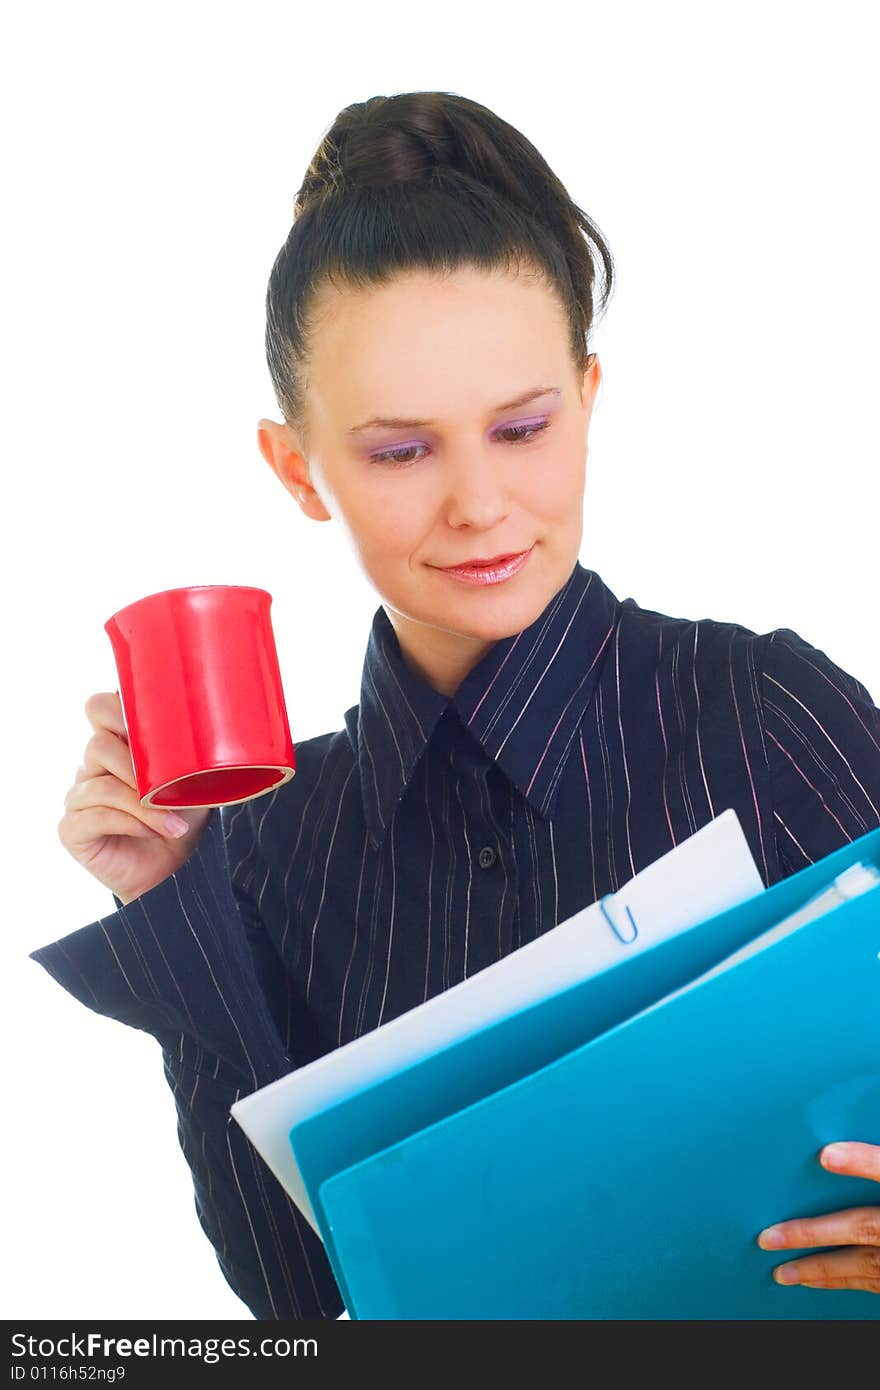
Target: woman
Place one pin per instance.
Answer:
(524, 742)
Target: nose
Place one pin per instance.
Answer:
(477, 487)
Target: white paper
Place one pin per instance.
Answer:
(710, 872)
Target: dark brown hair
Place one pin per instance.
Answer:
(424, 180)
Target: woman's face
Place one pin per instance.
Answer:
(445, 353)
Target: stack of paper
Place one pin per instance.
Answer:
(604, 1100)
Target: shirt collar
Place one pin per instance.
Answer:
(523, 701)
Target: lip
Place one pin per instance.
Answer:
(494, 573)
(494, 560)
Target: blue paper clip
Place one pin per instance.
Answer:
(627, 940)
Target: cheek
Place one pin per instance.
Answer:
(389, 519)
(554, 485)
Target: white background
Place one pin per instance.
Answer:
(728, 154)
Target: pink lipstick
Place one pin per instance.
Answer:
(494, 571)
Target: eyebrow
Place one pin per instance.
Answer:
(397, 422)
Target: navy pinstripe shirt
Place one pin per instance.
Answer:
(432, 835)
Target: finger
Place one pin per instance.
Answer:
(104, 711)
(859, 1160)
(105, 793)
(107, 752)
(866, 1286)
(854, 1226)
(872, 1286)
(856, 1268)
(90, 824)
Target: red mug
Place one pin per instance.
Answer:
(201, 695)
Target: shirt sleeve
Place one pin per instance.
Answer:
(191, 963)
(822, 735)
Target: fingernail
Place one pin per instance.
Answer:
(772, 1238)
(175, 825)
(835, 1155)
(786, 1274)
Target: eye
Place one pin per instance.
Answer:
(525, 433)
(397, 458)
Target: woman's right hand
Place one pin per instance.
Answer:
(124, 845)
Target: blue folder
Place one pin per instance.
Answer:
(612, 1153)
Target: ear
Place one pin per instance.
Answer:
(591, 384)
(279, 448)
(592, 378)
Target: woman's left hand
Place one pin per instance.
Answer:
(858, 1228)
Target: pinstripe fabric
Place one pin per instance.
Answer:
(432, 835)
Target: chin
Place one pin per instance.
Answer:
(491, 616)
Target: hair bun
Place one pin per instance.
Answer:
(405, 138)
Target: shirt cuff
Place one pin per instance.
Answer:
(176, 962)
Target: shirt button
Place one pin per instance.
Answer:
(487, 857)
